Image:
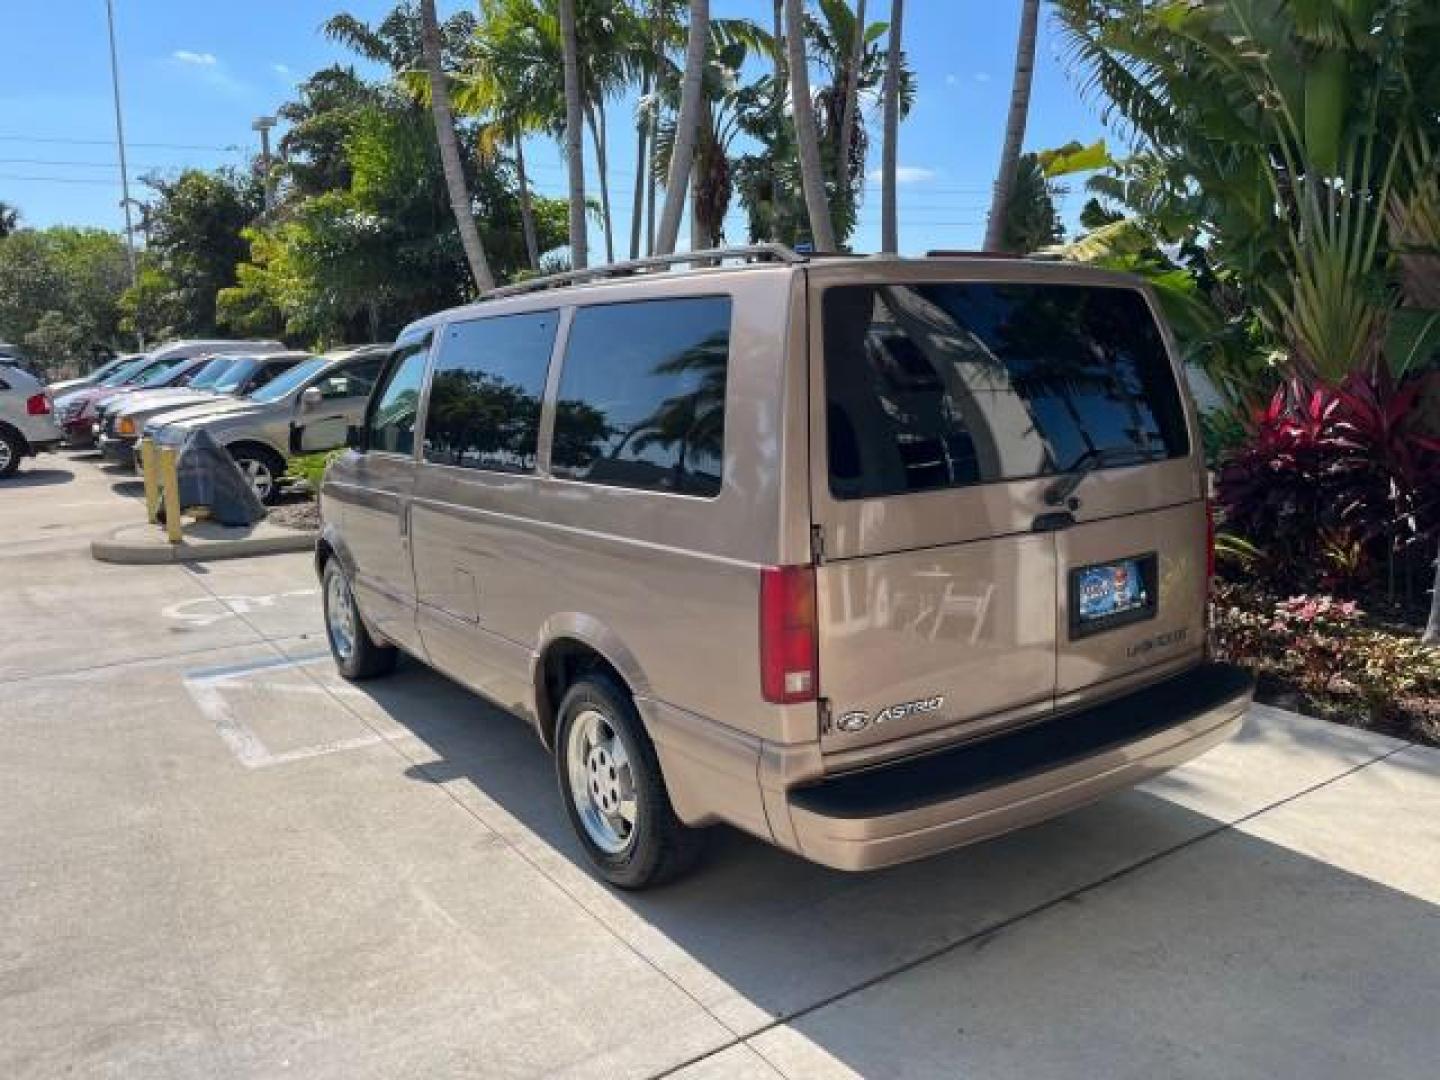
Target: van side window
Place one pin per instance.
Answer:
(947, 385)
(484, 410)
(641, 402)
(390, 422)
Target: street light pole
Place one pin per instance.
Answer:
(263, 125)
(125, 199)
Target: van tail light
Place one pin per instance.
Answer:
(789, 661)
(38, 405)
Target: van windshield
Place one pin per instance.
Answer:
(949, 385)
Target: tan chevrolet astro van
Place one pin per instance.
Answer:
(868, 557)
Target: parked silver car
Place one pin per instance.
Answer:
(27, 421)
(223, 378)
(305, 410)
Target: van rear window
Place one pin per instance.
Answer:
(949, 385)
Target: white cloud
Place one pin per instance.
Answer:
(951, 80)
(280, 69)
(200, 59)
(906, 174)
(982, 76)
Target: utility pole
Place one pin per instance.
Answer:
(125, 199)
(263, 125)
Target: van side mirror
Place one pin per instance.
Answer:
(311, 399)
(355, 437)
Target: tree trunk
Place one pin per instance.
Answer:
(1432, 627)
(889, 221)
(682, 154)
(450, 149)
(597, 136)
(852, 100)
(807, 137)
(574, 144)
(779, 197)
(527, 212)
(1014, 125)
(637, 206)
(657, 20)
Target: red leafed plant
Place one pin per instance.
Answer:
(1325, 462)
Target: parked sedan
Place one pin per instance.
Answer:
(308, 409)
(223, 378)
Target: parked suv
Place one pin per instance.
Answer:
(223, 378)
(27, 421)
(305, 410)
(870, 558)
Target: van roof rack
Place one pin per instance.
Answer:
(710, 256)
(1038, 256)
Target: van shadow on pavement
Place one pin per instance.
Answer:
(1133, 937)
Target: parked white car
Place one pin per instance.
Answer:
(27, 418)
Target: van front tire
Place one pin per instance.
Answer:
(614, 791)
(357, 655)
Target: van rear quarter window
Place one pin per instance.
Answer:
(485, 395)
(641, 402)
(953, 384)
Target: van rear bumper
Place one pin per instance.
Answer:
(909, 809)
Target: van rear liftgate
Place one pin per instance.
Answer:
(1011, 507)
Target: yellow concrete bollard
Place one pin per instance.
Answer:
(170, 492)
(151, 477)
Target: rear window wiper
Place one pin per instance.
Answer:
(1092, 461)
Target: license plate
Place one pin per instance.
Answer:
(1112, 594)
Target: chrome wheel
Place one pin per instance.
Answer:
(259, 475)
(340, 616)
(7, 455)
(602, 782)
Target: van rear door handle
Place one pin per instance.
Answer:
(1052, 522)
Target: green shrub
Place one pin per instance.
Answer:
(311, 467)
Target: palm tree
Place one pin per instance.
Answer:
(9, 219)
(852, 91)
(889, 225)
(450, 149)
(812, 174)
(687, 127)
(1014, 124)
(574, 146)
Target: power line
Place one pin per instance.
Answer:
(89, 164)
(108, 142)
(61, 179)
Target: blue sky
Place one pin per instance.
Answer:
(194, 76)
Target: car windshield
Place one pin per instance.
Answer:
(166, 375)
(122, 374)
(211, 373)
(236, 375)
(292, 380)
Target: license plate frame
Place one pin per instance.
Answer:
(1090, 615)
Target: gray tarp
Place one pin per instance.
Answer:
(209, 477)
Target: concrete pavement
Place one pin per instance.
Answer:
(218, 859)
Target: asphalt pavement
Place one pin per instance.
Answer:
(217, 859)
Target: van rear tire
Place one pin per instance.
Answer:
(614, 791)
(357, 655)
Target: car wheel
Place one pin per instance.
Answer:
(614, 791)
(11, 451)
(357, 654)
(262, 468)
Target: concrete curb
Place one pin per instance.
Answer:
(145, 545)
